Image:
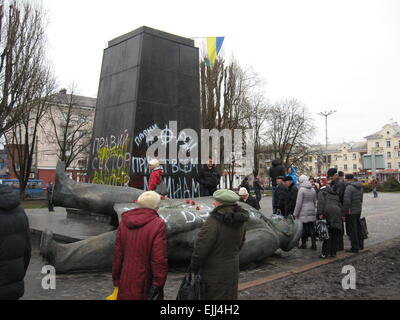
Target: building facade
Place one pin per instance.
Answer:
(68, 117)
(346, 157)
(386, 142)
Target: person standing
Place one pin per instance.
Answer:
(291, 196)
(49, 189)
(315, 184)
(140, 264)
(277, 170)
(292, 172)
(249, 199)
(245, 184)
(281, 195)
(257, 188)
(305, 211)
(337, 184)
(15, 245)
(208, 178)
(216, 249)
(156, 174)
(374, 185)
(330, 208)
(352, 208)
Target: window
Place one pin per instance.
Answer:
(377, 144)
(354, 156)
(345, 167)
(398, 165)
(389, 155)
(354, 167)
(311, 168)
(83, 118)
(388, 144)
(345, 157)
(335, 158)
(336, 167)
(389, 165)
(82, 163)
(398, 154)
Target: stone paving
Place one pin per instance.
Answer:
(383, 219)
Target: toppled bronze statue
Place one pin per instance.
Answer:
(183, 219)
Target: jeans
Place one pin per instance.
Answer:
(258, 195)
(375, 193)
(50, 205)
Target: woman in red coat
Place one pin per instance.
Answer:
(156, 174)
(140, 263)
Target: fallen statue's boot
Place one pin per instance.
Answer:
(46, 246)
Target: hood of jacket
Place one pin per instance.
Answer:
(306, 184)
(276, 163)
(231, 215)
(356, 184)
(8, 198)
(159, 168)
(137, 218)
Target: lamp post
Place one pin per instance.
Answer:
(326, 114)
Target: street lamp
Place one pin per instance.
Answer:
(326, 114)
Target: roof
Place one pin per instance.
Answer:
(379, 135)
(80, 101)
(337, 147)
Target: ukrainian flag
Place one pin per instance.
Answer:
(214, 45)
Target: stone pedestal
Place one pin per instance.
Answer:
(148, 79)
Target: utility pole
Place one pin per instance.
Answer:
(326, 114)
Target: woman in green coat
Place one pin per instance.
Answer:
(217, 247)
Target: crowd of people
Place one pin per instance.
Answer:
(140, 264)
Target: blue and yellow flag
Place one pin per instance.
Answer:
(214, 45)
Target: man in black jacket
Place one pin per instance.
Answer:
(15, 245)
(352, 208)
(338, 186)
(277, 170)
(208, 178)
(291, 197)
(257, 188)
(281, 195)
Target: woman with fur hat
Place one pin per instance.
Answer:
(217, 246)
(140, 264)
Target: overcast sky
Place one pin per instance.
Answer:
(340, 55)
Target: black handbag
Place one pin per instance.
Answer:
(364, 229)
(192, 289)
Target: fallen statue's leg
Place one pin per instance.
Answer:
(90, 197)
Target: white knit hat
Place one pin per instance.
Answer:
(154, 162)
(150, 200)
(303, 178)
(243, 192)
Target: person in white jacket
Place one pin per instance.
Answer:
(305, 211)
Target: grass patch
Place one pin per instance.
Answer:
(34, 204)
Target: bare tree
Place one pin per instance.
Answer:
(26, 85)
(290, 131)
(70, 126)
(224, 95)
(256, 113)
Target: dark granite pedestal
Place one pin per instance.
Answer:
(148, 79)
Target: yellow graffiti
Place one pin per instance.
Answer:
(119, 176)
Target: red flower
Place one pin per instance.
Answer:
(187, 201)
(193, 203)
(197, 208)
